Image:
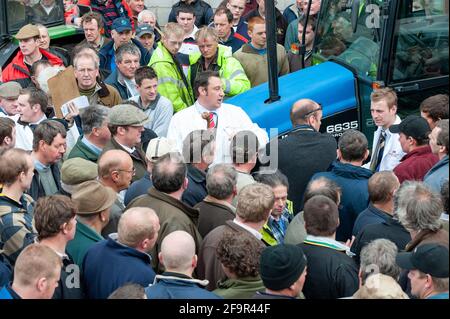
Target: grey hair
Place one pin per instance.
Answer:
(379, 257)
(129, 48)
(86, 53)
(93, 117)
(417, 207)
(221, 181)
(145, 13)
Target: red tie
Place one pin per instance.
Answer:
(209, 117)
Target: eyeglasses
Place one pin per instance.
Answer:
(133, 171)
(313, 111)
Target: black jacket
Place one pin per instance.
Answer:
(331, 273)
(196, 190)
(69, 285)
(301, 154)
(390, 229)
(37, 190)
(281, 21)
(203, 12)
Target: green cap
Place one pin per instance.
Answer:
(127, 115)
(77, 170)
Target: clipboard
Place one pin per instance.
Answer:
(63, 88)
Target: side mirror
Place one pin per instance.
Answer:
(355, 14)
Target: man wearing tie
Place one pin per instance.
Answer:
(386, 150)
(209, 112)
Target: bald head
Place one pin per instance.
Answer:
(177, 251)
(302, 110)
(113, 160)
(325, 187)
(138, 224)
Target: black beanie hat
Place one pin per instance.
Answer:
(281, 266)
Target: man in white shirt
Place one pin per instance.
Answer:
(386, 150)
(209, 112)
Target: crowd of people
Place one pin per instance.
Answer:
(156, 188)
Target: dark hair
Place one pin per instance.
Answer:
(244, 146)
(88, 17)
(324, 187)
(321, 216)
(442, 138)
(93, 117)
(144, 72)
(273, 180)
(51, 212)
(222, 10)
(37, 64)
(185, 9)
(47, 131)
(197, 145)
(36, 96)
(6, 128)
(311, 21)
(444, 196)
(202, 80)
(128, 291)
(13, 162)
(353, 145)
(436, 107)
(382, 186)
(168, 173)
(240, 253)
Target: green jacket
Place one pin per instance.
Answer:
(242, 288)
(170, 80)
(84, 238)
(234, 79)
(81, 150)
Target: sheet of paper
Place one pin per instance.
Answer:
(80, 102)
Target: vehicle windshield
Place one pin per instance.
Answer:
(22, 12)
(336, 37)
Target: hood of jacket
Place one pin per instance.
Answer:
(350, 171)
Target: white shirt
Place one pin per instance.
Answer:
(392, 153)
(24, 135)
(252, 231)
(190, 47)
(230, 120)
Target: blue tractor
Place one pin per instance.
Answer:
(360, 46)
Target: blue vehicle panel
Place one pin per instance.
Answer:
(329, 84)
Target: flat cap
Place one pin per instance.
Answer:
(10, 90)
(77, 170)
(92, 197)
(27, 31)
(127, 115)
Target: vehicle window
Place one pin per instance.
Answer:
(421, 41)
(21, 12)
(336, 38)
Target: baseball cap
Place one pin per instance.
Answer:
(160, 146)
(127, 115)
(415, 126)
(27, 31)
(121, 24)
(430, 259)
(10, 90)
(144, 29)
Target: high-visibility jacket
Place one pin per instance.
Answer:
(172, 83)
(234, 79)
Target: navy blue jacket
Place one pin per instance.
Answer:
(113, 80)
(108, 265)
(353, 181)
(203, 12)
(242, 29)
(196, 190)
(177, 286)
(138, 188)
(5, 272)
(106, 54)
(235, 41)
(371, 215)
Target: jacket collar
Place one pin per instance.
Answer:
(422, 150)
(88, 232)
(197, 175)
(327, 243)
(219, 203)
(171, 276)
(129, 251)
(192, 213)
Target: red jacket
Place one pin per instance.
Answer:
(415, 164)
(18, 71)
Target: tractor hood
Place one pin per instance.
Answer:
(330, 84)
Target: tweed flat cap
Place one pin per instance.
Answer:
(127, 115)
(78, 170)
(92, 197)
(10, 90)
(27, 31)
